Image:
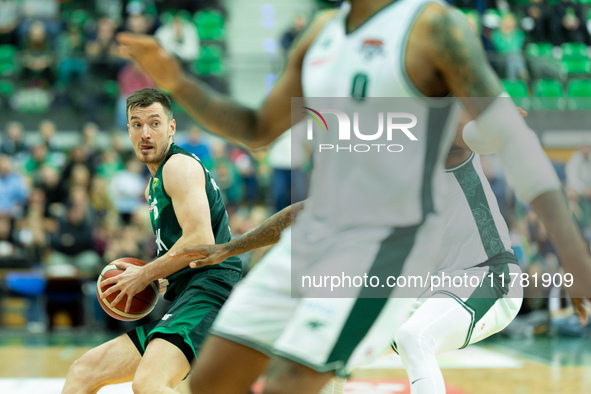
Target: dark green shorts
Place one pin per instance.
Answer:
(187, 322)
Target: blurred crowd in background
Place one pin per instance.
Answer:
(67, 210)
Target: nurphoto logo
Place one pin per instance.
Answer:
(395, 122)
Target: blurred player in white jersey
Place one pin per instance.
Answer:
(475, 243)
(427, 49)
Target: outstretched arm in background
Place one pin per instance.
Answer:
(214, 111)
(458, 57)
(265, 234)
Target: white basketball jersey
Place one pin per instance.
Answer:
(354, 187)
(474, 230)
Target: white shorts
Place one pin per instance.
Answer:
(327, 334)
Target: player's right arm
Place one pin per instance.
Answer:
(217, 113)
(265, 234)
(457, 57)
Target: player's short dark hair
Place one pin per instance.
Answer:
(146, 97)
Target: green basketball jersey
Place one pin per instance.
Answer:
(167, 229)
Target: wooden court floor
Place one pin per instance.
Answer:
(550, 368)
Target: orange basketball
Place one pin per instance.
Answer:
(142, 303)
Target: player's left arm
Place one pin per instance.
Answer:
(457, 55)
(191, 207)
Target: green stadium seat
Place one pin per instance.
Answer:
(548, 95)
(78, 18)
(210, 62)
(576, 66)
(210, 25)
(6, 88)
(583, 2)
(470, 11)
(519, 93)
(168, 16)
(177, 109)
(574, 50)
(111, 88)
(538, 49)
(579, 94)
(8, 60)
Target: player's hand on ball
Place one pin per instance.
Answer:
(162, 285)
(203, 254)
(163, 68)
(128, 283)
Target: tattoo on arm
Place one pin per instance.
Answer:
(460, 56)
(267, 233)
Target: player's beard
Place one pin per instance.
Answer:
(159, 155)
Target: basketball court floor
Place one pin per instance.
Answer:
(38, 364)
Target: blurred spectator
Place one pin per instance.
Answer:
(49, 181)
(40, 157)
(14, 189)
(9, 20)
(131, 78)
(581, 211)
(70, 53)
(32, 229)
(288, 180)
(197, 146)
(37, 57)
(80, 177)
(74, 173)
(8, 246)
(299, 24)
(72, 245)
(571, 20)
(112, 9)
(127, 189)
(14, 145)
(508, 41)
(101, 51)
(247, 173)
(578, 171)
(225, 174)
(89, 133)
(137, 22)
(79, 162)
(180, 38)
(540, 22)
(44, 11)
(47, 129)
(109, 165)
(40, 9)
(99, 199)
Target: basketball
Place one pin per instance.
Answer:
(142, 303)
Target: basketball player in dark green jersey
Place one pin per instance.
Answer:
(186, 208)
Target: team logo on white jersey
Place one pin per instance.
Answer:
(371, 48)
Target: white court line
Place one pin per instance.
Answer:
(50, 386)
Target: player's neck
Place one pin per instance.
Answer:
(363, 10)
